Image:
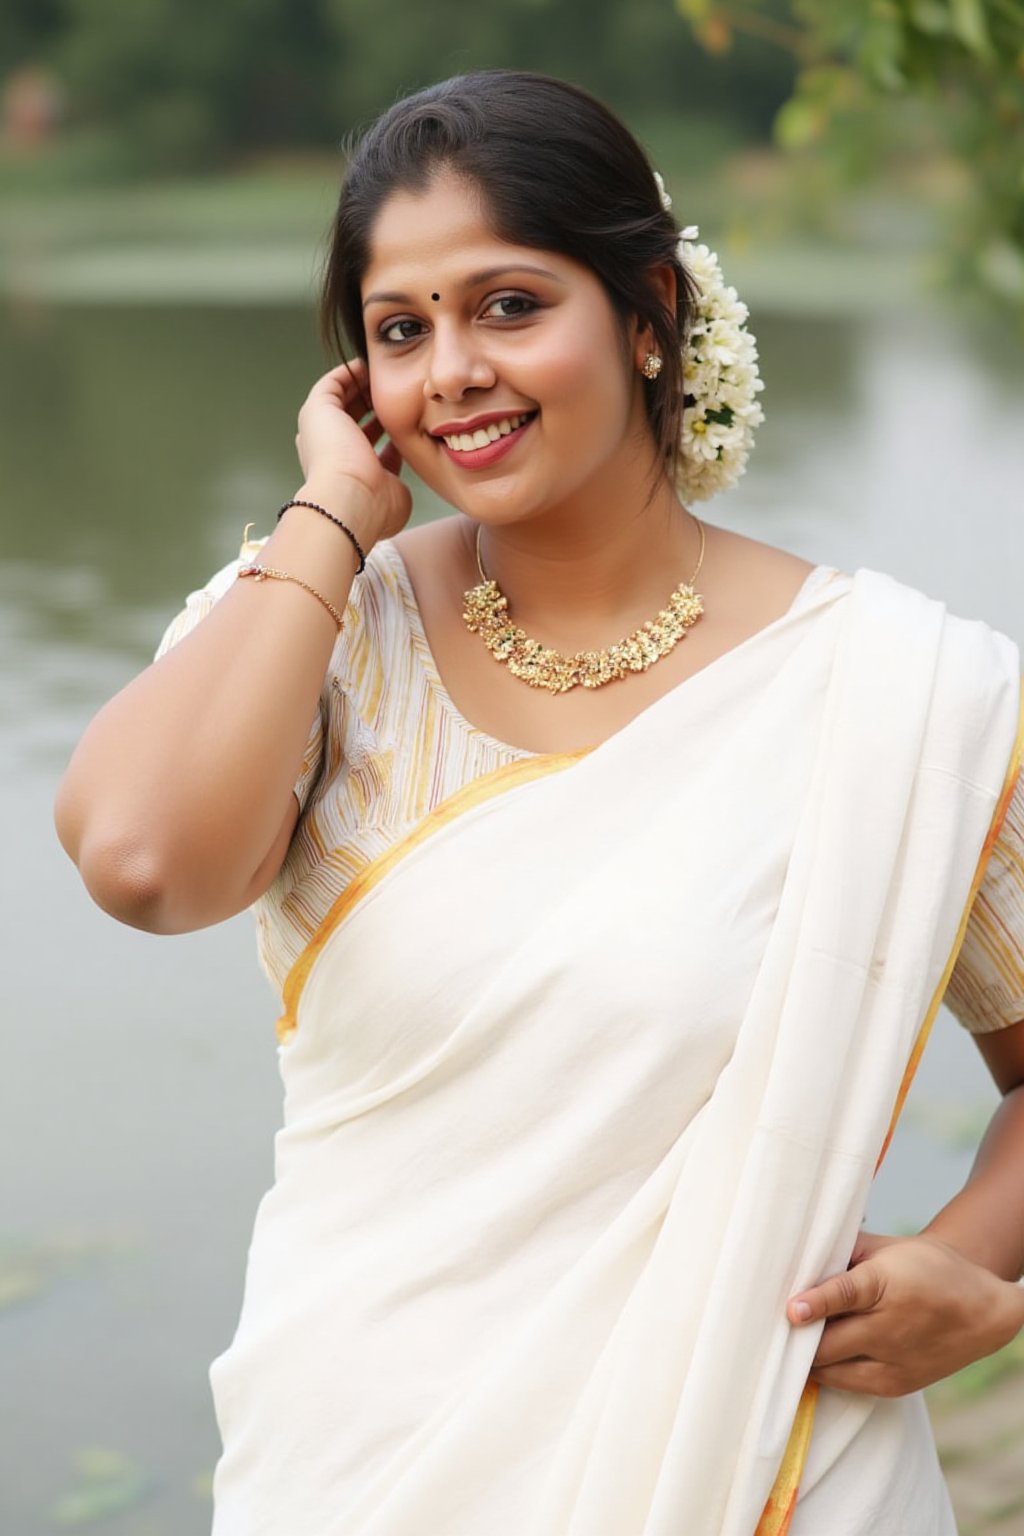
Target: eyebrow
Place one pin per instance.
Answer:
(473, 281)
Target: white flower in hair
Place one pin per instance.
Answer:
(666, 201)
(721, 381)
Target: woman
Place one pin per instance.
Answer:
(605, 957)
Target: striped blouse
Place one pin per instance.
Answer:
(387, 745)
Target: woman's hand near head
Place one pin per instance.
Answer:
(337, 443)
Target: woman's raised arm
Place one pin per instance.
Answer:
(177, 805)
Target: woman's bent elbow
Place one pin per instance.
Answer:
(124, 878)
(163, 881)
(129, 881)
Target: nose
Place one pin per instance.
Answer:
(456, 363)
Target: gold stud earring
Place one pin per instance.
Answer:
(651, 366)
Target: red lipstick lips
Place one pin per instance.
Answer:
(490, 453)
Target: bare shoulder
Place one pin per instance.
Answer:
(749, 582)
(433, 553)
(768, 561)
(436, 541)
(759, 581)
(426, 541)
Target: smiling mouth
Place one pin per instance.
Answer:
(482, 437)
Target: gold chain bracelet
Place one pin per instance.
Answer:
(260, 572)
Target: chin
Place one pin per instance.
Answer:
(494, 504)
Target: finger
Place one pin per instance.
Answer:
(373, 430)
(349, 383)
(353, 368)
(855, 1290)
(872, 1376)
(391, 458)
(870, 1242)
(849, 1338)
(356, 400)
(344, 376)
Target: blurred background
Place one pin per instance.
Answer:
(167, 174)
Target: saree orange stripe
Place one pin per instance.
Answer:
(1002, 805)
(778, 1512)
(522, 771)
(777, 1516)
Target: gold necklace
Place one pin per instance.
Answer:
(486, 614)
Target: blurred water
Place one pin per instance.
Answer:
(140, 1090)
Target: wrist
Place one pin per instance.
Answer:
(996, 1307)
(350, 501)
(1011, 1310)
(972, 1227)
(947, 1235)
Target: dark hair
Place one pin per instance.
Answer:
(557, 171)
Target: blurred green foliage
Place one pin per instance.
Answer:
(924, 97)
(107, 1483)
(892, 82)
(180, 85)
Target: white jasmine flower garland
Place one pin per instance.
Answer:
(721, 380)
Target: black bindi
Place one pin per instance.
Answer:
(436, 298)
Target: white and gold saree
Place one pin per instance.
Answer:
(585, 1075)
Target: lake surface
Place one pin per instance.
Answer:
(140, 1090)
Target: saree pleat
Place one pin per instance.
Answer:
(590, 1078)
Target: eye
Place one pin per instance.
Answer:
(510, 306)
(397, 331)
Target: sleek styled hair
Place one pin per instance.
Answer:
(556, 171)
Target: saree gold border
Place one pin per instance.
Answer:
(475, 793)
(995, 827)
(778, 1512)
(777, 1515)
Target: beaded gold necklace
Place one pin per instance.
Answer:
(486, 614)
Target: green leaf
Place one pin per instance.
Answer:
(882, 50)
(931, 17)
(1001, 268)
(695, 11)
(799, 122)
(971, 27)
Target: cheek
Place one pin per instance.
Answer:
(395, 407)
(398, 406)
(585, 371)
(380, 393)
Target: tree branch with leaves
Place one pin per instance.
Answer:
(878, 79)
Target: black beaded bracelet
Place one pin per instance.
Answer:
(316, 507)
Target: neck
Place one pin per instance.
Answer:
(585, 578)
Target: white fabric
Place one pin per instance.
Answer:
(590, 1082)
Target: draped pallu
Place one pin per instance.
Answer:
(587, 1075)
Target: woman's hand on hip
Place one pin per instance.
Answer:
(337, 443)
(906, 1313)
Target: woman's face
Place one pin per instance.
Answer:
(500, 372)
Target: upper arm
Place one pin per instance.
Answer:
(1003, 1053)
(986, 989)
(198, 605)
(271, 865)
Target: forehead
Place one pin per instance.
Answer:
(440, 234)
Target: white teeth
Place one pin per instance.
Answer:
(464, 442)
